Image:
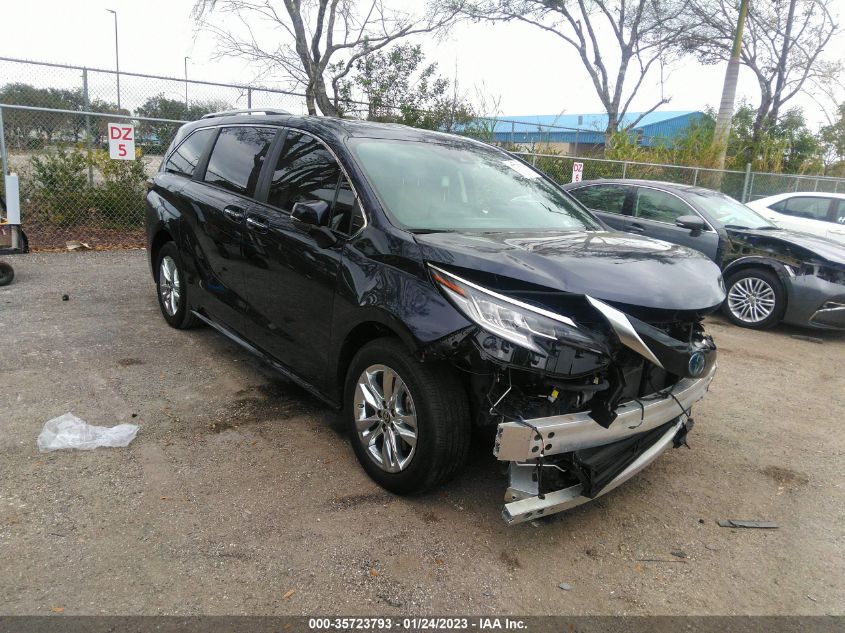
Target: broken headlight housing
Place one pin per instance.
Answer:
(525, 325)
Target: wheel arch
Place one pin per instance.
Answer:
(744, 263)
(162, 237)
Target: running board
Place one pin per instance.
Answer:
(269, 360)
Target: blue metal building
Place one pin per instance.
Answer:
(588, 129)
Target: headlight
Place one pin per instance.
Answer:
(507, 318)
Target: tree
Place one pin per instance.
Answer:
(832, 138)
(396, 87)
(160, 107)
(642, 32)
(315, 38)
(783, 45)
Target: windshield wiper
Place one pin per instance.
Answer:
(427, 231)
(737, 226)
(767, 227)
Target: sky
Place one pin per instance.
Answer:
(526, 70)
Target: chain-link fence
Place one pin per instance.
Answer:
(742, 185)
(54, 124)
(70, 189)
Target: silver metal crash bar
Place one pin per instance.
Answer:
(560, 500)
(516, 442)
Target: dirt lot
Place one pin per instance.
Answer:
(241, 495)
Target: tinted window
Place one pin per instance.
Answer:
(184, 159)
(346, 215)
(807, 207)
(657, 205)
(237, 157)
(306, 172)
(608, 198)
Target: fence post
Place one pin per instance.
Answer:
(816, 186)
(3, 161)
(746, 184)
(87, 124)
(575, 153)
(512, 134)
(249, 98)
(533, 156)
(625, 169)
(695, 177)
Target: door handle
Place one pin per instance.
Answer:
(234, 213)
(636, 228)
(257, 223)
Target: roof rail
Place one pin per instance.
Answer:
(212, 115)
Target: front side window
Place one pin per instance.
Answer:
(731, 213)
(308, 172)
(238, 155)
(607, 198)
(183, 161)
(652, 204)
(457, 185)
(810, 207)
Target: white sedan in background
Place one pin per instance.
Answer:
(809, 212)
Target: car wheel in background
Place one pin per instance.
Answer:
(408, 421)
(172, 289)
(7, 273)
(756, 298)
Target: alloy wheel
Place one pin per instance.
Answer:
(385, 418)
(169, 285)
(751, 300)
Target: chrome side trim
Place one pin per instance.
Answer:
(516, 442)
(560, 500)
(624, 330)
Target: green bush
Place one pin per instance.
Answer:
(62, 194)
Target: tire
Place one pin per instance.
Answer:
(435, 397)
(765, 309)
(174, 307)
(7, 273)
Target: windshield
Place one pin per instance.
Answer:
(461, 186)
(729, 212)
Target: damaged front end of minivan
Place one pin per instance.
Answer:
(584, 395)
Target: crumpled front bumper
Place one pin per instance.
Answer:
(522, 443)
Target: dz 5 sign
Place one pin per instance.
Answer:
(121, 141)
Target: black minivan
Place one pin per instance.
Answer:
(426, 283)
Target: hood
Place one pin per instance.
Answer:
(619, 268)
(786, 244)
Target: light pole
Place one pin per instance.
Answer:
(116, 55)
(186, 85)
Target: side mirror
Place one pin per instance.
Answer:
(311, 213)
(693, 223)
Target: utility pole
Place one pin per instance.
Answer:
(186, 85)
(116, 55)
(726, 106)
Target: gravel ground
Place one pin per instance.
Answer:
(241, 495)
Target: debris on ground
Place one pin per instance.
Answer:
(565, 586)
(679, 553)
(809, 339)
(69, 431)
(742, 523)
(65, 297)
(77, 246)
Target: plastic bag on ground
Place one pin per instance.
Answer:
(68, 431)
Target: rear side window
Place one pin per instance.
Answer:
(653, 204)
(607, 198)
(238, 155)
(184, 159)
(306, 172)
(810, 207)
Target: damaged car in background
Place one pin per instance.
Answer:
(425, 284)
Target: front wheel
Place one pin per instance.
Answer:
(408, 421)
(756, 299)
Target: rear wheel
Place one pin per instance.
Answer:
(172, 286)
(408, 421)
(756, 299)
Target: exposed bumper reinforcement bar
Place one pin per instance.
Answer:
(516, 442)
(560, 500)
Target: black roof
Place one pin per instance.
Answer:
(662, 184)
(346, 128)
